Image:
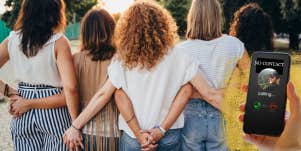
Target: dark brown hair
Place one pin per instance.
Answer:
(253, 27)
(97, 30)
(38, 20)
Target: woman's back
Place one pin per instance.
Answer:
(91, 76)
(39, 69)
(217, 58)
(152, 91)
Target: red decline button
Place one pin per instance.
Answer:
(273, 106)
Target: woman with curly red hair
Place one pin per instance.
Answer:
(150, 70)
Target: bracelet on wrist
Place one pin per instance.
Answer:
(6, 90)
(162, 130)
(128, 121)
(75, 127)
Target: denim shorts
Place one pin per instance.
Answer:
(170, 142)
(204, 128)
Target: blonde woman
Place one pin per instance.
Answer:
(217, 56)
(151, 72)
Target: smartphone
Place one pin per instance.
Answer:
(266, 99)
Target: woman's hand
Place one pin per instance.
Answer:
(73, 139)
(264, 143)
(19, 106)
(146, 141)
(290, 139)
(156, 134)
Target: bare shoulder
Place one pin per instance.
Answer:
(62, 42)
(62, 45)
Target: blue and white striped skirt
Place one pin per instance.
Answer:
(40, 129)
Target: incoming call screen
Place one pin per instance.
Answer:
(269, 74)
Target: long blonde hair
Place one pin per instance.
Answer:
(205, 20)
(144, 34)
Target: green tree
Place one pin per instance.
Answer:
(291, 11)
(77, 7)
(10, 17)
(179, 10)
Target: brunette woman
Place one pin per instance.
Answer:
(253, 27)
(217, 56)
(97, 49)
(43, 67)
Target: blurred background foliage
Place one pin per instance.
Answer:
(285, 14)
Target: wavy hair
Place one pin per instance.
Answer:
(253, 27)
(97, 31)
(144, 35)
(38, 20)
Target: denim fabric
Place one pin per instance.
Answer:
(204, 128)
(87, 141)
(170, 142)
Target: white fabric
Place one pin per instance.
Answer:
(216, 58)
(40, 69)
(152, 92)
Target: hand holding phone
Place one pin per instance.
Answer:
(266, 99)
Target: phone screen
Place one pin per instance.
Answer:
(266, 101)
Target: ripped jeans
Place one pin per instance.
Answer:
(204, 128)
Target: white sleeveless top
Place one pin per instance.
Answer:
(216, 58)
(40, 69)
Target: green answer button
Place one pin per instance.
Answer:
(257, 105)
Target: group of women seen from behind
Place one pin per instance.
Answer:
(169, 93)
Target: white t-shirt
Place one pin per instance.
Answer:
(216, 58)
(152, 92)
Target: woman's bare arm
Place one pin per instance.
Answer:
(99, 100)
(212, 96)
(127, 111)
(177, 106)
(4, 56)
(67, 73)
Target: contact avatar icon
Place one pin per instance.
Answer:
(268, 79)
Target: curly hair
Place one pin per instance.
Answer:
(144, 34)
(253, 27)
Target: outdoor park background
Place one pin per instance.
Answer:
(286, 16)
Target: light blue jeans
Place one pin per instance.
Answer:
(170, 142)
(204, 128)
